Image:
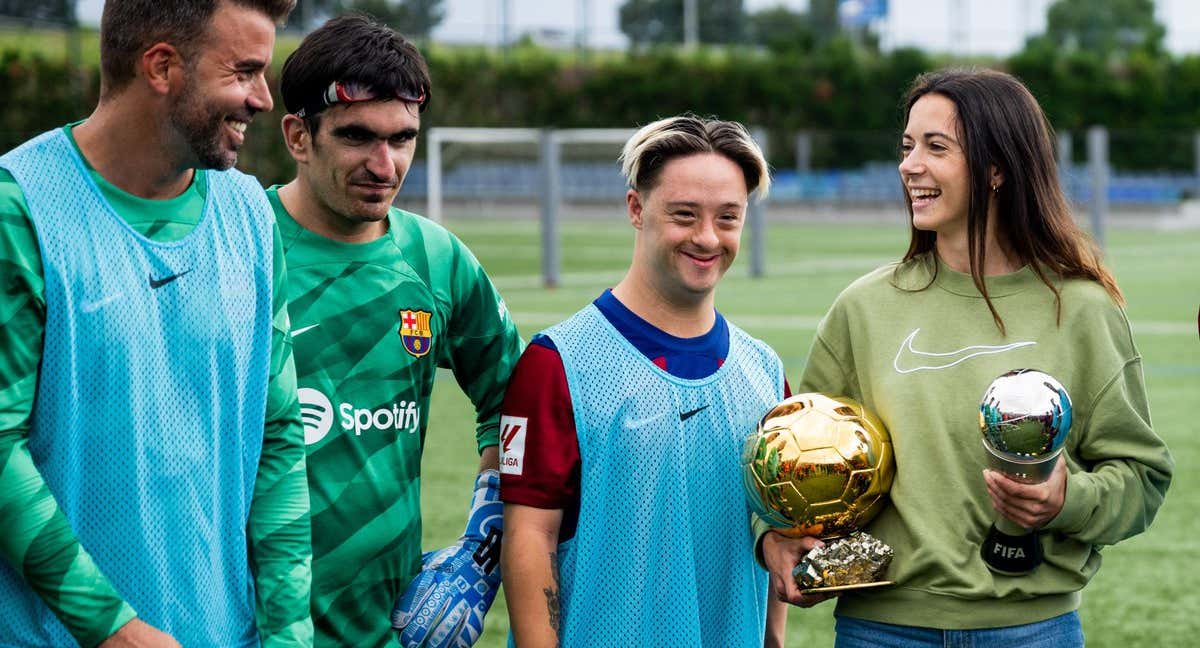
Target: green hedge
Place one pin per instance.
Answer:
(1151, 105)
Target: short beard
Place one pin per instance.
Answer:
(200, 124)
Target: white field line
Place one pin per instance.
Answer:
(1151, 249)
(774, 269)
(589, 281)
(786, 322)
(1163, 328)
(512, 283)
(620, 234)
(607, 278)
(534, 250)
(809, 322)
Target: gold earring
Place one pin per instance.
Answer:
(995, 188)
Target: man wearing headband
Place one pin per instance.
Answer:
(380, 299)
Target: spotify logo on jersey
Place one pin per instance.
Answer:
(317, 414)
(316, 411)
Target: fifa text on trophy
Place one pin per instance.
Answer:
(1025, 416)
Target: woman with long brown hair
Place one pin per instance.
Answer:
(997, 277)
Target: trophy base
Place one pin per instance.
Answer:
(837, 589)
(1011, 551)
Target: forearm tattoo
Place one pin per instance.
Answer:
(552, 603)
(552, 607)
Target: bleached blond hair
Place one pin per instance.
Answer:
(655, 144)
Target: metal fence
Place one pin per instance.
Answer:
(557, 171)
(807, 179)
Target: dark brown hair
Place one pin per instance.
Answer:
(352, 49)
(1001, 125)
(130, 27)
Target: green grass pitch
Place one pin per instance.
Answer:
(1145, 593)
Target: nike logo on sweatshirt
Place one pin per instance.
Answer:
(908, 359)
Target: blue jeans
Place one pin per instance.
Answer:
(1059, 632)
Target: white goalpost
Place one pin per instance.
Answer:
(549, 145)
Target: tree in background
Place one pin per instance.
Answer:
(307, 11)
(781, 30)
(60, 12)
(54, 12)
(1107, 28)
(823, 19)
(414, 18)
(656, 22)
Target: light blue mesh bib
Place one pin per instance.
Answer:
(663, 554)
(151, 398)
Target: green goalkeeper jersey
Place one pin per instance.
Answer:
(372, 323)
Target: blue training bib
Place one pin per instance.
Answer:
(663, 554)
(151, 398)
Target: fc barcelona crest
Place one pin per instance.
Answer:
(415, 332)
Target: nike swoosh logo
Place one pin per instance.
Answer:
(945, 360)
(159, 283)
(306, 328)
(683, 416)
(93, 306)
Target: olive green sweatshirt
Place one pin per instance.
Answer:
(920, 355)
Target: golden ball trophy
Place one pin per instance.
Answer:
(821, 466)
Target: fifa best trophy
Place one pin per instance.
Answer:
(1025, 416)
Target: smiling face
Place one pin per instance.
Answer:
(354, 165)
(933, 167)
(689, 225)
(224, 85)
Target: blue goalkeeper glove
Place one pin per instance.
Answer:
(444, 605)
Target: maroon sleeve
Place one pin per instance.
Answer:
(787, 389)
(539, 452)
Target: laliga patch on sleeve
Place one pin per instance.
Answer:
(512, 444)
